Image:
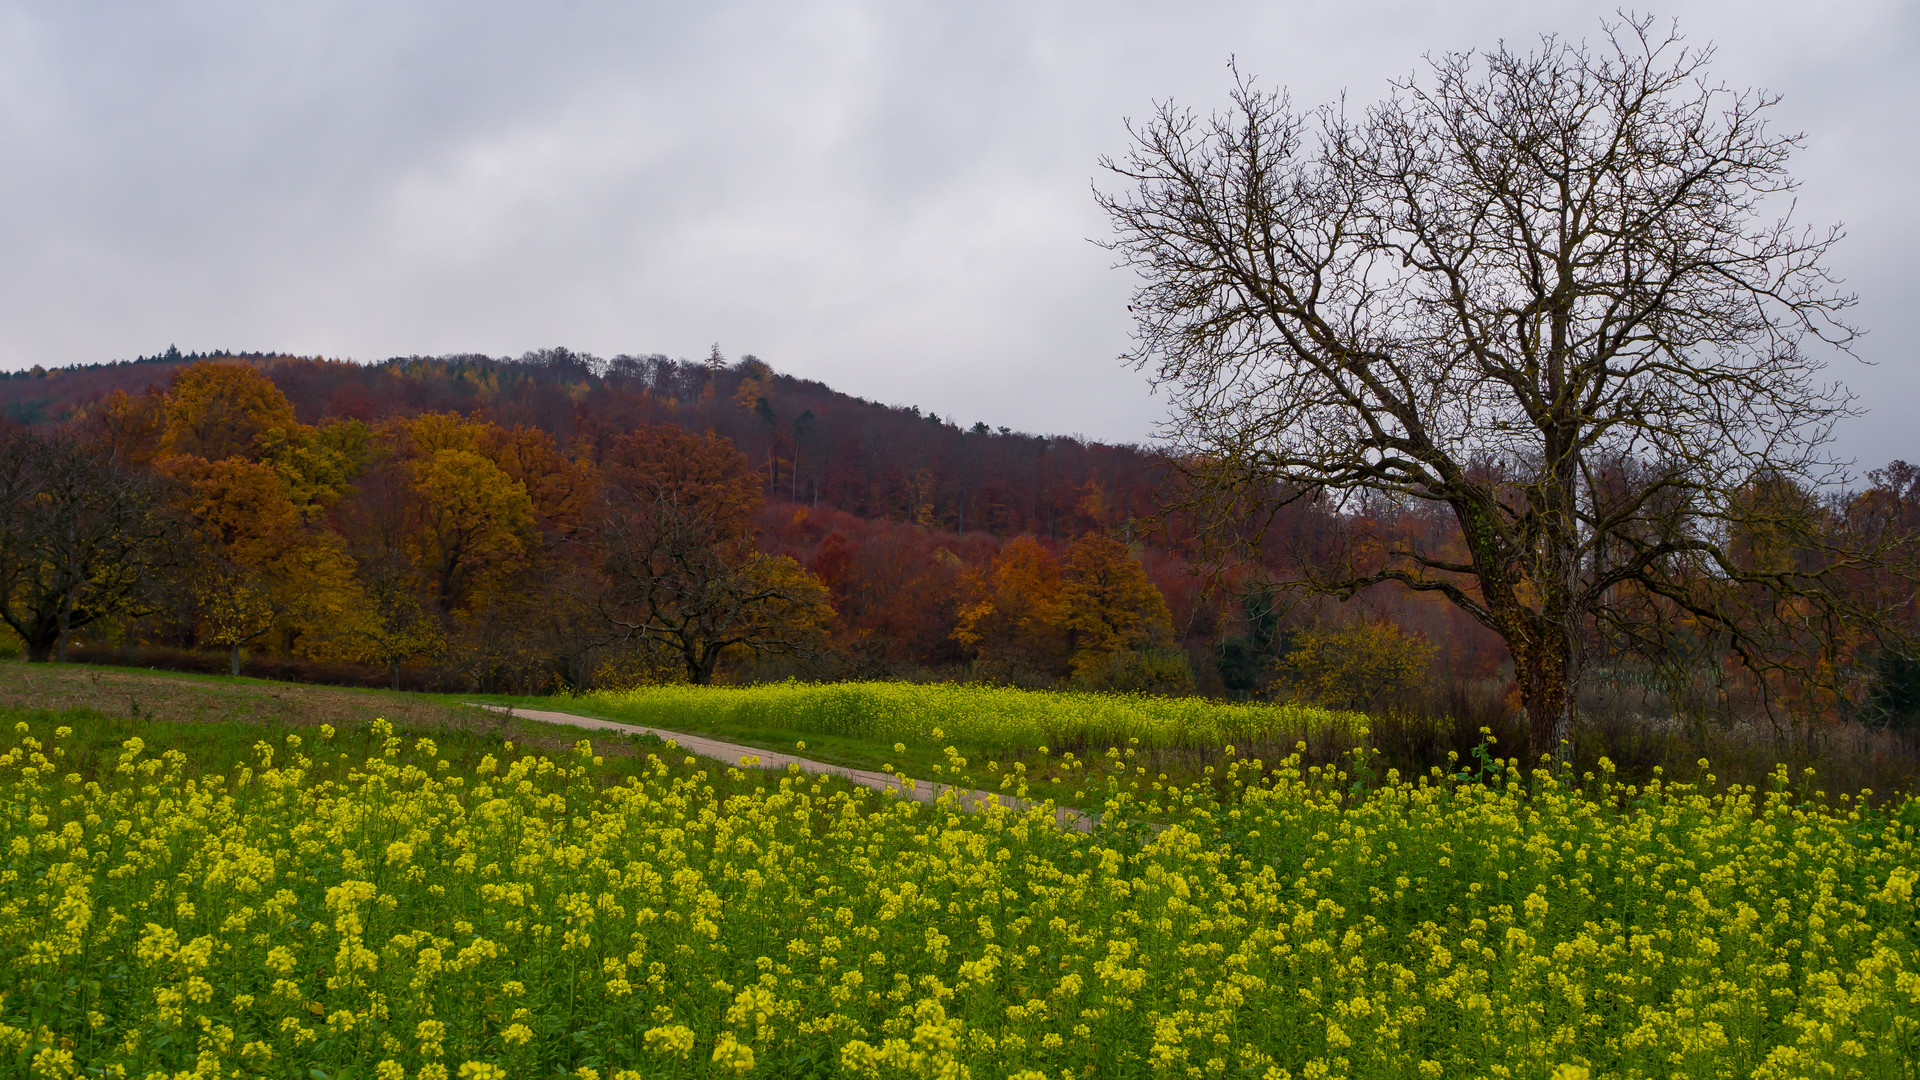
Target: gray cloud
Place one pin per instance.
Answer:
(890, 197)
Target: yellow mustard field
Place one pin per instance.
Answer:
(393, 917)
(975, 715)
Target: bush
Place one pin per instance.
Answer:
(1147, 671)
(638, 663)
(1354, 667)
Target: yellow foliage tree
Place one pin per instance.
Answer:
(559, 487)
(217, 411)
(317, 465)
(422, 435)
(1109, 605)
(469, 521)
(390, 625)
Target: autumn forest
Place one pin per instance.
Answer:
(564, 522)
(560, 521)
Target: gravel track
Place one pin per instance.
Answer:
(754, 757)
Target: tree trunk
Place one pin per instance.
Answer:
(1544, 670)
(700, 665)
(393, 673)
(40, 649)
(66, 625)
(233, 659)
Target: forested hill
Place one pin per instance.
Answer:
(812, 444)
(902, 508)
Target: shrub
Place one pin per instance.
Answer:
(1354, 667)
(1146, 671)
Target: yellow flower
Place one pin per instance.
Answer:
(675, 1039)
(729, 1053)
(53, 1062)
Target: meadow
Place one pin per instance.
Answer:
(355, 903)
(973, 716)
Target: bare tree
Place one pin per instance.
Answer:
(673, 541)
(1540, 289)
(676, 580)
(81, 538)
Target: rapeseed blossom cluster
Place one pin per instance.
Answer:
(979, 715)
(397, 918)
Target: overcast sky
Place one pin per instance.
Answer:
(890, 197)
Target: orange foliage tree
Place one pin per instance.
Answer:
(1013, 613)
(215, 411)
(560, 487)
(895, 585)
(259, 566)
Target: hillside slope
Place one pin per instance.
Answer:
(814, 445)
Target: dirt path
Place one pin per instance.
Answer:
(168, 696)
(754, 757)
